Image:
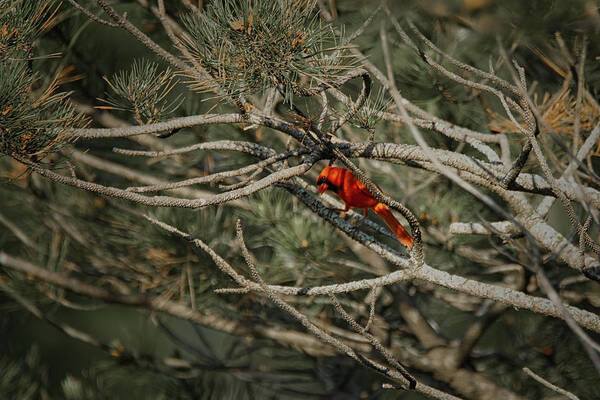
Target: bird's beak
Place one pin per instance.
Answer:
(323, 188)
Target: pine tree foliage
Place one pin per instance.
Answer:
(249, 46)
(143, 91)
(33, 119)
(295, 79)
(24, 379)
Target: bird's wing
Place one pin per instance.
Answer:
(361, 186)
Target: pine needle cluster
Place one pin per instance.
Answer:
(251, 45)
(24, 379)
(33, 120)
(143, 91)
(369, 115)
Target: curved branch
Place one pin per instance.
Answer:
(166, 201)
(424, 272)
(194, 120)
(144, 39)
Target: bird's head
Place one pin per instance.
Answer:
(323, 181)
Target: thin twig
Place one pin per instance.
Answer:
(143, 38)
(550, 385)
(92, 16)
(166, 201)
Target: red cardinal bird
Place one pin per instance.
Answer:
(355, 194)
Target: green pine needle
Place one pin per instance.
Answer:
(143, 91)
(251, 45)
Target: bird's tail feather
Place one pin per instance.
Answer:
(403, 236)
